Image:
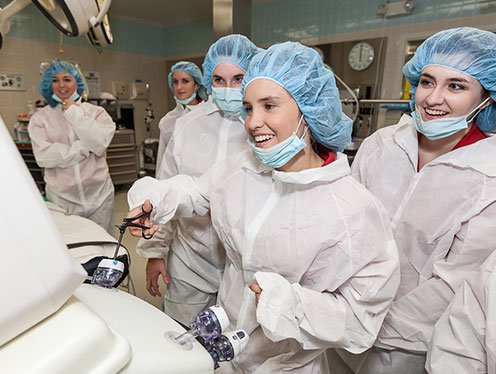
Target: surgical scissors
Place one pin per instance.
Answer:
(128, 222)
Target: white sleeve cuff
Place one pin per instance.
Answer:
(277, 310)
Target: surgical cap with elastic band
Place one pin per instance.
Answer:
(301, 71)
(236, 49)
(466, 49)
(45, 86)
(192, 70)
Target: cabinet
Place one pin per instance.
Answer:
(36, 172)
(121, 157)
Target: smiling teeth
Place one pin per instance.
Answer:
(262, 138)
(435, 112)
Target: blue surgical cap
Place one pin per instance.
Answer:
(191, 69)
(45, 86)
(466, 49)
(236, 49)
(301, 71)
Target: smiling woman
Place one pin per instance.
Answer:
(269, 121)
(64, 87)
(297, 278)
(435, 173)
(69, 140)
(184, 80)
(187, 253)
(446, 102)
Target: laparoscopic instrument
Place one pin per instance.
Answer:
(208, 327)
(109, 271)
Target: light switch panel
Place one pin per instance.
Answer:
(12, 82)
(121, 90)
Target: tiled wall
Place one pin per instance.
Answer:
(280, 20)
(140, 50)
(24, 55)
(272, 21)
(134, 37)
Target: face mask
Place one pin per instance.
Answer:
(444, 127)
(73, 97)
(186, 101)
(282, 152)
(229, 100)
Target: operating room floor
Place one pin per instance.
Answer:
(138, 264)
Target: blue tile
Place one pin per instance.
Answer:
(272, 21)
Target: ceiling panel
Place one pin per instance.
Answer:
(162, 12)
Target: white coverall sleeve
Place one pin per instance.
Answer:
(411, 318)
(168, 166)
(181, 196)
(458, 341)
(51, 155)
(158, 246)
(347, 318)
(95, 133)
(357, 167)
(163, 141)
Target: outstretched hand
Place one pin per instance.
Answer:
(144, 212)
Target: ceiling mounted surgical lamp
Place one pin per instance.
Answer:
(5, 13)
(71, 17)
(100, 35)
(74, 17)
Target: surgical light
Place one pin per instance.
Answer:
(100, 35)
(71, 17)
(5, 13)
(74, 17)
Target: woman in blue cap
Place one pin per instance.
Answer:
(435, 173)
(185, 81)
(189, 257)
(70, 139)
(311, 262)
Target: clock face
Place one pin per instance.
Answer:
(361, 56)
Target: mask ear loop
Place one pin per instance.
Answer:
(477, 110)
(298, 127)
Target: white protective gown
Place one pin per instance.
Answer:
(464, 338)
(166, 126)
(318, 244)
(443, 220)
(196, 258)
(71, 147)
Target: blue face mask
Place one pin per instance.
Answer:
(282, 152)
(186, 101)
(229, 100)
(73, 97)
(444, 127)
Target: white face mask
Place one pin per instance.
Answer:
(230, 100)
(444, 127)
(186, 101)
(73, 97)
(280, 154)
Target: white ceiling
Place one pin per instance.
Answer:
(161, 12)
